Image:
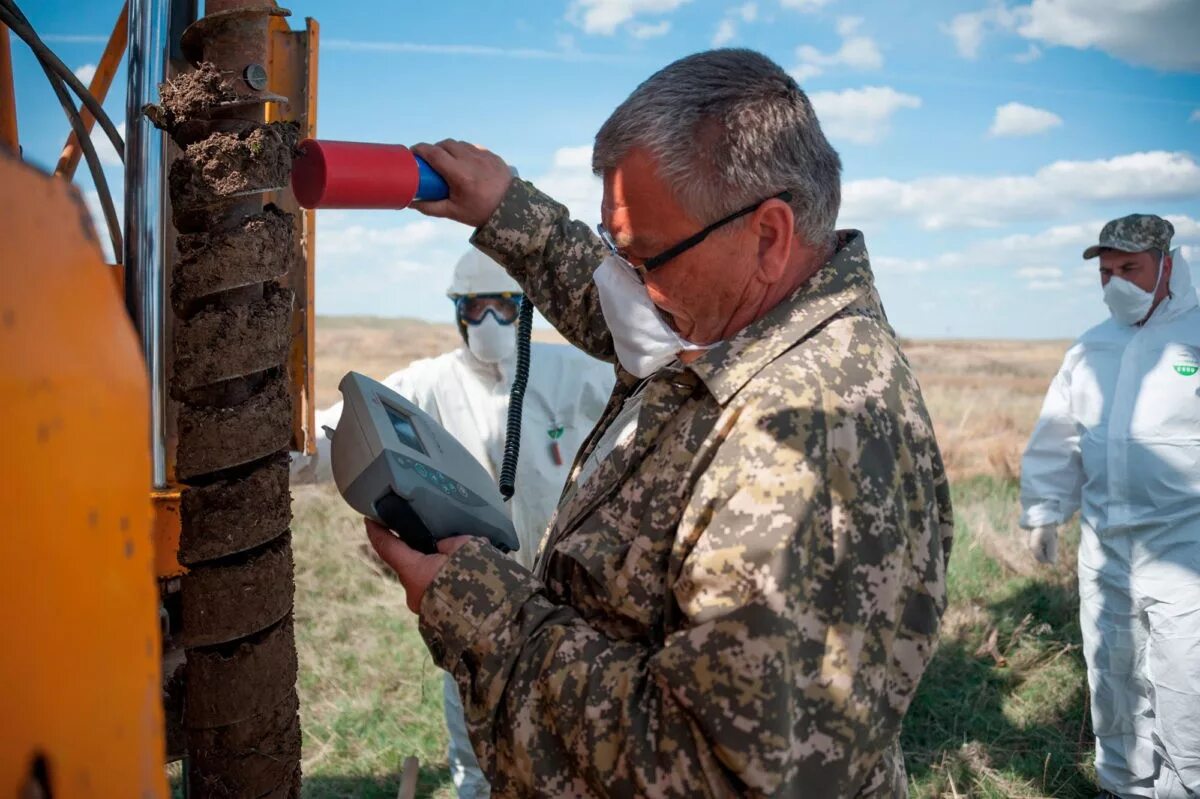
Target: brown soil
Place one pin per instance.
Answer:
(258, 250)
(173, 711)
(213, 439)
(195, 94)
(224, 601)
(222, 343)
(258, 756)
(232, 516)
(228, 164)
(229, 376)
(228, 684)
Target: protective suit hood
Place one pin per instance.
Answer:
(1183, 294)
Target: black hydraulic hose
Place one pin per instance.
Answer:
(94, 166)
(516, 401)
(12, 16)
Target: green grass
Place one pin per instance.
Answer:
(370, 696)
(977, 728)
(1008, 720)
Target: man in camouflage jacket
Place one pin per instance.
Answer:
(741, 596)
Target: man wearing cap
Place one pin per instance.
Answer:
(1119, 441)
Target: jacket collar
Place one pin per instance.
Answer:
(728, 366)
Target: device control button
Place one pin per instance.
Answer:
(421, 470)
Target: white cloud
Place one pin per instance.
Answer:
(956, 201)
(1045, 285)
(85, 73)
(1154, 33)
(1037, 256)
(104, 149)
(92, 199)
(726, 32)
(567, 52)
(857, 52)
(359, 239)
(647, 31)
(804, 5)
(861, 115)
(1195, 117)
(1017, 119)
(1029, 56)
(968, 29)
(603, 17)
(1040, 273)
(727, 28)
(571, 182)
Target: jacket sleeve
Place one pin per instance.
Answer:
(776, 680)
(552, 256)
(1052, 468)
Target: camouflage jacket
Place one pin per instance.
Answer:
(742, 599)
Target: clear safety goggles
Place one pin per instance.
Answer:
(474, 308)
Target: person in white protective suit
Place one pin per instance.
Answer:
(1119, 440)
(467, 390)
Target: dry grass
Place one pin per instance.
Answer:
(984, 397)
(1001, 713)
(377, 347)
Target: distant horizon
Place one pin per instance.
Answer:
(547, 326)
(984, 142)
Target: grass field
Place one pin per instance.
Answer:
(1001, 712)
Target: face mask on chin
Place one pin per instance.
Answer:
(1127, 303)
(643, 340)
(490, 341)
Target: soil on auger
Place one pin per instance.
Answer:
(229, 382)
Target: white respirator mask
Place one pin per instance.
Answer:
(643, 340)
(490, 341)
(1127, 303)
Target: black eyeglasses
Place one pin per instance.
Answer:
(650, 264)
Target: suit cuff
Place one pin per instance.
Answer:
(469, 607)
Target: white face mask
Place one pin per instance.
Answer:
(490, 341)
(644, 341)
(1127, 303)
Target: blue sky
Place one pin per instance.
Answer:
(984, 143)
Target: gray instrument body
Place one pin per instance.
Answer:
(393, 463)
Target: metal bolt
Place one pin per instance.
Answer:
(255, 76)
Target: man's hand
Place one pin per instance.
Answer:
(477, 179)
(1043, 542)
(415, 570)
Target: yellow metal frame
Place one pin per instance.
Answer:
(101, 81)
(293, 74)
(8, 98)
(80, 672)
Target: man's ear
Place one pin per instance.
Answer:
(774, 224)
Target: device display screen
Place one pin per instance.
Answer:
(404, 429)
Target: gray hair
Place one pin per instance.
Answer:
(729, 128)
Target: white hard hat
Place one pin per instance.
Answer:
(475, 273)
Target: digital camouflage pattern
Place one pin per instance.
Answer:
(741, 600)
(1134, 233)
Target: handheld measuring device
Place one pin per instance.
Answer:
(393, 463)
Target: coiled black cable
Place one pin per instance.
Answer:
(11, 16)
(16, 20)
(516, 401)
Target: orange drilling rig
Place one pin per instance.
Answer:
(146, 555)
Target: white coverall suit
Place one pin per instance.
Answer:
(468, 395)
(1119, 440)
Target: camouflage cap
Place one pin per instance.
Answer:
(1134, 233)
